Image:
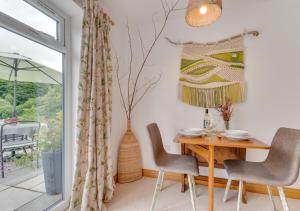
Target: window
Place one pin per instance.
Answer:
(27, 14)
(15, 43)
(35, 89)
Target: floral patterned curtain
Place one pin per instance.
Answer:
(93, 180)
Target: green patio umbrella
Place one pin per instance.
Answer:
(15, 67)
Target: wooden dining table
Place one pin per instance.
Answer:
(204, 147)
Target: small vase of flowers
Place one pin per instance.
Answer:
(226, 110)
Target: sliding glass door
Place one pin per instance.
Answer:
(32, 119)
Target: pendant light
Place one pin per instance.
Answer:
(203, 12)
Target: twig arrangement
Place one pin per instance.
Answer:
(134, 93)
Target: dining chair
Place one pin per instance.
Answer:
(166, 162)
(281, 167)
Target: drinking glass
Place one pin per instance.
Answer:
(210, 128)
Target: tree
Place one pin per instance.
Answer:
(27, 110)
(5, 108)
(42, 108)
(25, 90)
(51, 103)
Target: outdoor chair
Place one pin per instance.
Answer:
(18, 136)
(280, 169)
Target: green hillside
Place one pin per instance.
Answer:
(34, 100)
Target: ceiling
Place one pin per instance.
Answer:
(142, 10)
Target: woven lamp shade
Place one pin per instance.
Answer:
(212, 11)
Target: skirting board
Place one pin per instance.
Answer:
(221, 183)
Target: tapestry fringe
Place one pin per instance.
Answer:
(212, 97)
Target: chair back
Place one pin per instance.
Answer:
(19, 131)
(156, 141)
(284, 156)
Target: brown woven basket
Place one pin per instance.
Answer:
(129, 159)
(195, 18)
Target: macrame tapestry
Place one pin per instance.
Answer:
(213, 72)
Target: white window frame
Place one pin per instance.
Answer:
(63, 45)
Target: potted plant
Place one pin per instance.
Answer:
(51, 153)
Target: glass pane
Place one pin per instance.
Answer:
(27, 14)
(31, 118)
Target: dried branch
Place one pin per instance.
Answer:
(177, 42)
(180, 9)
(117, 68)
(146, 84)
(151, 84)
(154, 26)
(142, 45)
(130, 65)
(167, 5)
(147, 55)
(164, 8)
(254, 33)
(134, 93)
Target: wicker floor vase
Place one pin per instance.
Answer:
(129, 158)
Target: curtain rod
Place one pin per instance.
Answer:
(254, 33)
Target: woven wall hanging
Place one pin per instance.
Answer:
(212, 72)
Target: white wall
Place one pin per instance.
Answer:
(272, 73)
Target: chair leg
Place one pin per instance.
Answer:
(162, 181)
(240, 195)
(37, 159)
(283, 199)
(37, 154)
(196, 193)
(227, 189)
(271, 197)
(2, 164)
(158, 182)
(24, 150)
(192, 190)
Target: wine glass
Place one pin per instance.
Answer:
(210, 127)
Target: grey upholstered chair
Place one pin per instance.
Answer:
(165, 162)
(281, 168)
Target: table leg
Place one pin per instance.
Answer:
(183, 176)
(211, 166)
(244, 196)
(242, 153)
(183, 187)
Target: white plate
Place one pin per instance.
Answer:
(194, 132)
(237, 133)
(235, 138)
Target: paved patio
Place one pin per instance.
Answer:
(23, 189)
